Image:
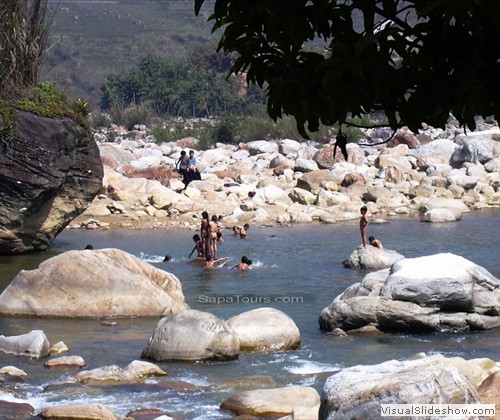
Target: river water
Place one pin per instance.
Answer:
(298, 270)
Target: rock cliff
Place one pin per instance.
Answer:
(50, 170)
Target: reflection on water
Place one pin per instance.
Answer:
(303, 263)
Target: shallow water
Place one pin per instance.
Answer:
(297, 270)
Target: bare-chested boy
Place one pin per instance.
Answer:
(205, 233)
(363, 221)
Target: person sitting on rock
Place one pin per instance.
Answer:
(375, 242)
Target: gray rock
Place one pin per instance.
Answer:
(442, 292)
(445, 281)
(478, 149)
(265, 328)
(305, 165)
(113, 375)
(192, 335)
(358, 392)
(33, 344)
(371, 258)
(262, 146)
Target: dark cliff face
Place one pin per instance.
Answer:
(50, 170)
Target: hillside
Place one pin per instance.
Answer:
(93, 38)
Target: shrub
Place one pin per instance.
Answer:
(24, 27)
(100, 120)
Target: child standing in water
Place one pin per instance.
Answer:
(363, 221)
(205, 233)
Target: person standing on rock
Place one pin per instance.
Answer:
(182, 165)
(363, 222)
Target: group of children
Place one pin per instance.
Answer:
(210, 235)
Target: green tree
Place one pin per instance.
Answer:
(196, 87)
(417, 61)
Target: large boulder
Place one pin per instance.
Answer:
(371, 258)
(264, 329)
(442, 292)
(358, 392)
(192, 335)
(50, 171)
(93, 283)
(33, 344)
(299, 401)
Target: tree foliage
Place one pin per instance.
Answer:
(417, 61)
(24, 28)
(196, 87)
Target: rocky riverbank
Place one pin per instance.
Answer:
(435, 174)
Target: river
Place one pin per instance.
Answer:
(298, 270)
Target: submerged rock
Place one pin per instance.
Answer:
(300, 401)
(100, 283)
(83, 411)
(113, 375)
(442, 292)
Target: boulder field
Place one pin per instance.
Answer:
(285, 181)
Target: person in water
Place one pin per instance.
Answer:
(363, 222)
(198, 246)
(205, 233)
(244, 264)
(214, 228)
(375, 242)
(241, 231)
(209, 263)
(167, 258)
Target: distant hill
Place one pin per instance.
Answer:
(93, 38)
